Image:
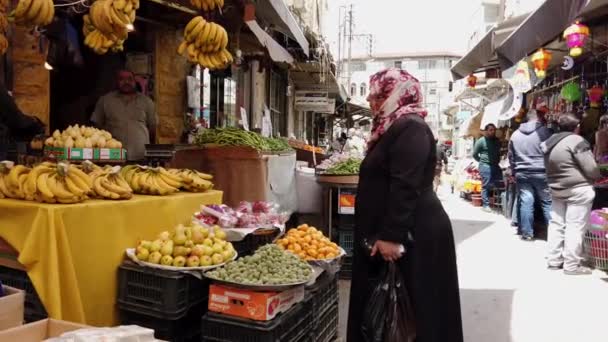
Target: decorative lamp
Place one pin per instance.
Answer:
(541, 60)
(576, 36)
(596, 93)
(472, 81)
(571, 92)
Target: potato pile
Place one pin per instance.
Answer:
(309, 244)
(269, 265)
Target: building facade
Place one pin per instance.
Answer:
(432, 70)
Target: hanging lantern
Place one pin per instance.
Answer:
(576, 36)
(571, 92)
(596, 93)
(541, 60)
(472, 81)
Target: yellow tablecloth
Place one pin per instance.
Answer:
(72, 252)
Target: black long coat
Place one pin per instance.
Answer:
(395, 202)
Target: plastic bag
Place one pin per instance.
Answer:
(389, 316)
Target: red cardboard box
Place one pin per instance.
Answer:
(259, 306)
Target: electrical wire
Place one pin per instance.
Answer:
(79, 2)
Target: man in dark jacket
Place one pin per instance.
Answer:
(571, 172)
(487, 153)
(527, 162)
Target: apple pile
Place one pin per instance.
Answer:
(193, 246)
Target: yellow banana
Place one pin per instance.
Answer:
(73, 188)
(202, 37)
(163, 188)
(192, 24)
(113, 187)
(101, 191)
(182, 48)
(119, 4)
(128, 7)
(196, 31)
(32, 176)
(143, 182)
(71, 200)
(204, 6)
(42, 185)
(204, 176)
(80, 174)
(22, 8)
(220, 3)
(50, 13)
(135, 4)
(134, 182)
(56, 186)
(131, 16)
(13, 176)
(116, 18)
(79, 183)
(34, 11)
(210, 39)
(169, 182)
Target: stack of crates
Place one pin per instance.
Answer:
(346, 238)
(34, 309)
(171, 303)
(322, 300)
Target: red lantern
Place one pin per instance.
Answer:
(541, 60)
(595, 95)
(576, 36)
(472, 80)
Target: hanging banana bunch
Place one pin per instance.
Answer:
(34, 12)
(3, 26)
(205, 43)
(106, 27)
(207, 5)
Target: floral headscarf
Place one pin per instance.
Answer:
(403, 97)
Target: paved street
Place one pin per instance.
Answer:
(507, 293)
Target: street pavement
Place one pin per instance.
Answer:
(508, 294)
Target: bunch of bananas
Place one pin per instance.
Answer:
(106, 27)
(34, 12)
(46, 182)
(192, 180)
(108, 183)
(3, 26)
(205, 43)
(150, 181)
(207, 5)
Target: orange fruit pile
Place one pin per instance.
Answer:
(309, 244)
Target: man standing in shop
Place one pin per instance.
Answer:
(527, 162)
(128, 115)
(571, 172)
(487, 153)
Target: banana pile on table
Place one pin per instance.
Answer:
(34, 12)
(3, 26)
(205, 43)
(161, 182)
(106, 26)
(108, 183)
(46, 182)
(207, 5)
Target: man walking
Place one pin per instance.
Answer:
(571, 172)
(528, 167)
(487, 153)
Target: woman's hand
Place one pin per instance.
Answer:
(390, 251)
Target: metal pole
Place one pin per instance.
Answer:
(339, 68)
(350, 46)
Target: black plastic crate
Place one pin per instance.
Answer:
(327, 329)
(34, 309)
(252, 242)
(185, 329)
(159, 293)
(346, 270)
(292, 326)
(322, 296)
(346, 240)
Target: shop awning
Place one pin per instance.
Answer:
(276, 13)
(483, 55)
(275, 50)
(317, 76)
(538, 29)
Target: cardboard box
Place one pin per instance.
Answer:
(93, 154)
(39, 331)
(259, 306)
(11, 308)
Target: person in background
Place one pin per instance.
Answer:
(601, 139)
(487, 153)
(396, 206)
(571, 172)
(442, 163)
(527, 163)
(128, 115)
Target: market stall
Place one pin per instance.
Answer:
(71, 252)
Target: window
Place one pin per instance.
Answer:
(433, 91)
(427, 64)
(363, 90)
(277, 102)
(398, 64)
(357, 66)
(353, 89)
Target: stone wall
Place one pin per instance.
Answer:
(31, 81)
(170, 93)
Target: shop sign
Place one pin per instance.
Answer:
(346, 201)
(313, 101)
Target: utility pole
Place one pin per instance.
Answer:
(350, 44)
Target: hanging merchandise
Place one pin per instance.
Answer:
(106, 27)
(207, 5)
(541, 60)
(34, 12)
(571, 92)
(205, 43)
(576, 36)
(472, 81)
(596, 94)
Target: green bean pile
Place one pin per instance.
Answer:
(350, 166)
(239, 137)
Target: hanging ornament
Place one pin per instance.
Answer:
(596, 93)
(472, 81)
(541, 60)
(576, 36)
(571, 92)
